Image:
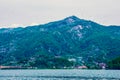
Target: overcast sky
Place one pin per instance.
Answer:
(30, 12)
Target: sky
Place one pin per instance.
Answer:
(20, 13)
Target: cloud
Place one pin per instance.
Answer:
(25, 12)
(12, 26)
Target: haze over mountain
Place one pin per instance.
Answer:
(55, 44)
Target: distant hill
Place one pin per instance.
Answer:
(55, 44)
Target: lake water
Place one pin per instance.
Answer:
(74, 74)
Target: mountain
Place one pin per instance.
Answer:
(55, 44)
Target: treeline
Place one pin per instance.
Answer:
(114, 64)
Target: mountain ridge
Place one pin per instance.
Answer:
(87, 42)
(73, 16)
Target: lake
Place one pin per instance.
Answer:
(72, 74)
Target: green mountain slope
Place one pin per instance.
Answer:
(87, 42)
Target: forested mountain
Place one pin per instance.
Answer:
(60, 44)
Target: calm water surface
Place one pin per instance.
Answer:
(60, 74)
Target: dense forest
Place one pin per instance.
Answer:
(67, 43)
(114, 64)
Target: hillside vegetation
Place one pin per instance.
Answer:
(70, 42)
